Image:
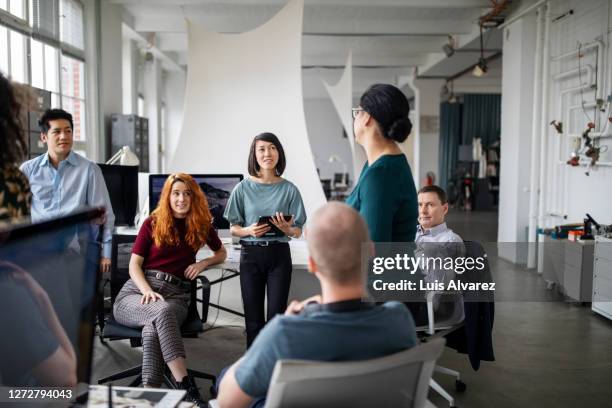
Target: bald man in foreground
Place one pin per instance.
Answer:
(335, 326)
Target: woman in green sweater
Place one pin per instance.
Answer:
(385, 194)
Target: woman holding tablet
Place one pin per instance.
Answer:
(265, 211)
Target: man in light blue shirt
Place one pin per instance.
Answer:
(434, 240)
(433, 237)
(335, 326)
(62, 181)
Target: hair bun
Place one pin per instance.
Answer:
(400, 129)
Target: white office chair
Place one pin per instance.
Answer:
(398, 380)
(439, 329)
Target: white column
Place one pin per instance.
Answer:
(404, 82)
(516, 130)
(427, 127)
(110, 66)
(130, 78)
(174, 96)
(94, 120)
(152, 96)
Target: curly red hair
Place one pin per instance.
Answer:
(198, 220)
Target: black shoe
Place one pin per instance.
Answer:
(193, 395)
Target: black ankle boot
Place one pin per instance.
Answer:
(193, 395)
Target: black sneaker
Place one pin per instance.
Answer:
(193, 395)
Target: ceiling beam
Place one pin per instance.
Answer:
(363, 60)
(322, 26)
(167, 61)
(309, 3)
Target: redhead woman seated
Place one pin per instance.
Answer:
(163, 262)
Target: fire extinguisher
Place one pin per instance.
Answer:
(430, 178)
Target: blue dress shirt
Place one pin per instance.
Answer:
(76, 183)
(439, 241)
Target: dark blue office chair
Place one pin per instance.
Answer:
(112, 330)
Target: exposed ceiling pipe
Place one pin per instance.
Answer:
(535, 126)
(544, 119)
(521, 13)
(494, 15)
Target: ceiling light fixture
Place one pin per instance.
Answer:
(480, 69)
(449, 48)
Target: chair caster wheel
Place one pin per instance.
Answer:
(460, 386)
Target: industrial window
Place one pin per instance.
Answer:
(42, 45)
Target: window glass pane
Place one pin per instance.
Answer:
(3, 4)
(51, 76)
(71, 23)
(73, 74)
(37, 64)
(77, 108)
(44, 17)
(55, 100)
(17, 45)
(4, 64)
(17, 8)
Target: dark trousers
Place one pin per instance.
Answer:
(260, 268)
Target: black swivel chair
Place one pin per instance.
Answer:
(112, 330)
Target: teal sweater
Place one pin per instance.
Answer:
(386, 198)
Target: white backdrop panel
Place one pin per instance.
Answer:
(341, 95)
(239, 85)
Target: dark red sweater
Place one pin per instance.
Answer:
(170, 259)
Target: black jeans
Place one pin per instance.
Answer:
(260, 268)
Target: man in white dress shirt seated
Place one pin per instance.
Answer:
(434, 239)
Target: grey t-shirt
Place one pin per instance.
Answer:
(251, 200)
(325, 335)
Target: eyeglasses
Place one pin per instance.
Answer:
(356, 111)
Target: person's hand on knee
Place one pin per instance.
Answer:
(150, 296)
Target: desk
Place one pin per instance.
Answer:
(299, 252)
(303, 283)
(301, 279)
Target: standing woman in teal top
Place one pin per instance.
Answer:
(265, 258)
(385, 194)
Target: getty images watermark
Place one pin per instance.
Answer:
(408, 271)
(447, 269)
(488, 271)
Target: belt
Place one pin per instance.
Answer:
(261, 243)
(166, 277)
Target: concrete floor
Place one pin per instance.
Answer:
(548, 354)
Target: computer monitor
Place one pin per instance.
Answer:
(122, 185)
(48, 292)
(216, 187)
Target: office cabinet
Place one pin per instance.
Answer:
(602, 277)
(578, 270)
(131, 131)
(553, 258)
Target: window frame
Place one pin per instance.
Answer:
(25, 27)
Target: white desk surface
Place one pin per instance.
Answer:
(299, 251)
(298, 247)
